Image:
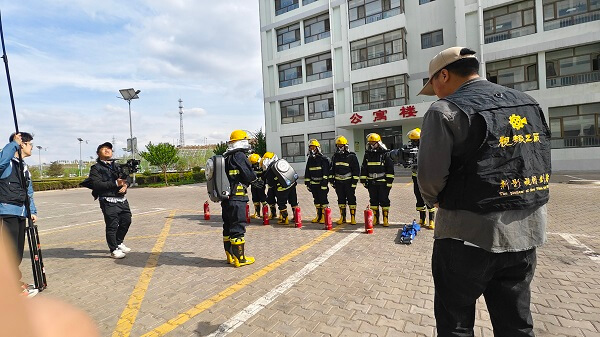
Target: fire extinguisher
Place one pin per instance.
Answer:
(247, 213)
(369, 220)
(328, 224)
(297, 217)
(265, 212)
(206, 211)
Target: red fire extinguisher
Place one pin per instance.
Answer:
(206, 211)
(297, 217)
(265, 211)
(369, 220)
(328, 224)
(247, 213)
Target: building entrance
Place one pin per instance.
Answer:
(390, 136)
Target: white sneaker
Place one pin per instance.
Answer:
(124, 248)
(29, 291)
(117, 254)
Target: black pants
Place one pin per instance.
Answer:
(462, 274)
(379, 195)
(319, 194)
(117, 218)
(258, 194)
(285, 196)
(271, 196)
(234, 217)
(346, 194)
(12, 229)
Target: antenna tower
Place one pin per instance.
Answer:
(181, 140)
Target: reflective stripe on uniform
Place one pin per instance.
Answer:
(341, 163)
(373, 163)
(233, 172)
(316, 168)
(376, 175)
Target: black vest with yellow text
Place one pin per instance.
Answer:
(511, 169)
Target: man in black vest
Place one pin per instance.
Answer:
(109, 184)
(484, 160)
(13, 193)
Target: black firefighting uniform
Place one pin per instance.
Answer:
(377, 173)
(258, 194)
(316, 177)
(240, 175)
(282, 194)
(345, 172)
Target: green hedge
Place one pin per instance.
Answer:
(140, 179)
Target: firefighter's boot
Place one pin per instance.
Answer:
(375, 210)
(322, 218)
(431, 219)
(353, 214)
(385, 211)
(319, 212)
(342, 218)
(273, 212)
(422, 217)
(256, 214)
(227, 246)
(283, 220)
(238, 254)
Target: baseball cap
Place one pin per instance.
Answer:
(106, 144)
(441, 60)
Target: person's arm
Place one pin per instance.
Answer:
(247, 175)
(364, 171)
(325, 169)
(354, 168)
(32, 207)
(307, 174)
(389, 171)
(98, 184)
(8, 152)
(434, 156)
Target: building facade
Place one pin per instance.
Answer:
(352, 67)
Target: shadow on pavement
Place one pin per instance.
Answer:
(205, 329)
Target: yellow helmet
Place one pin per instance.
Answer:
(254, 158)
(414, 134)
(314, 142)
(341, 140)
(373, 137)
(238, 135)
(267, 159)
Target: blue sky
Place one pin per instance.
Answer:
(69, 58)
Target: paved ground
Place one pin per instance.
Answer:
(306, 282)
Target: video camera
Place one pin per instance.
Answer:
(406, 156)
(131, 166)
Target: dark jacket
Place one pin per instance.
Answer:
(103, 179)
(317, 171)
(377, 168)
(14, 204)
(240, 174)
(344, 168)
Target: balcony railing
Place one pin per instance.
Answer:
(572, 20)
(571, 142)
(574, 79)
(511, 34)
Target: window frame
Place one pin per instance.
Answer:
(319, 36)
(430, 36)
(292, 81)
(279, 32)
(293, 139)
(362, 18)
(356, 64)
(525, 66)
(282, 10)
(310, 74)
(557, 80)
(556, 22)
(295, 118)
(374, 88)
(316, 115)
(579, 141)
(495, 35)
(326, 140)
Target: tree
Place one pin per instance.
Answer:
(259, 142)
(220, 148)
(55, 169)
(35, 172)
(161, 155)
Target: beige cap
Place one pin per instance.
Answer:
(444, 58)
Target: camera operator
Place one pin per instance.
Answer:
(109, 183)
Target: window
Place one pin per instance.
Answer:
(361, 12)
(422, 2)
(327, 141)
(288, 37)
(510, 21)
(573, 66)
(290, 73)
(432, 39)
(284, 6)
(379, 49)
(292, 148)
(306, 2)
(564, 13)
(318, 67)
(575, 126)
(320, 106)
(380, 93)
(292, 111)
(316, 28)
(518, 73)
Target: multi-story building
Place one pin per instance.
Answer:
(351, 67)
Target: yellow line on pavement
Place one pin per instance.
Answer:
(134, 304)
(171, 324)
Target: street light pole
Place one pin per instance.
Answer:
(128, 95)
(80, 141)
(40, 160)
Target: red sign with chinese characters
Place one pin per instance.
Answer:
(379, 115)
(355, 118)
(408, 111)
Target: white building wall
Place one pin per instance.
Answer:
(462, 28)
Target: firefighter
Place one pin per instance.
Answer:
(377, 175)
(240, 175)
(284, 193)
(271, 198)
(316, 178)
(414, 136)
(345, 172)
(258, 194)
